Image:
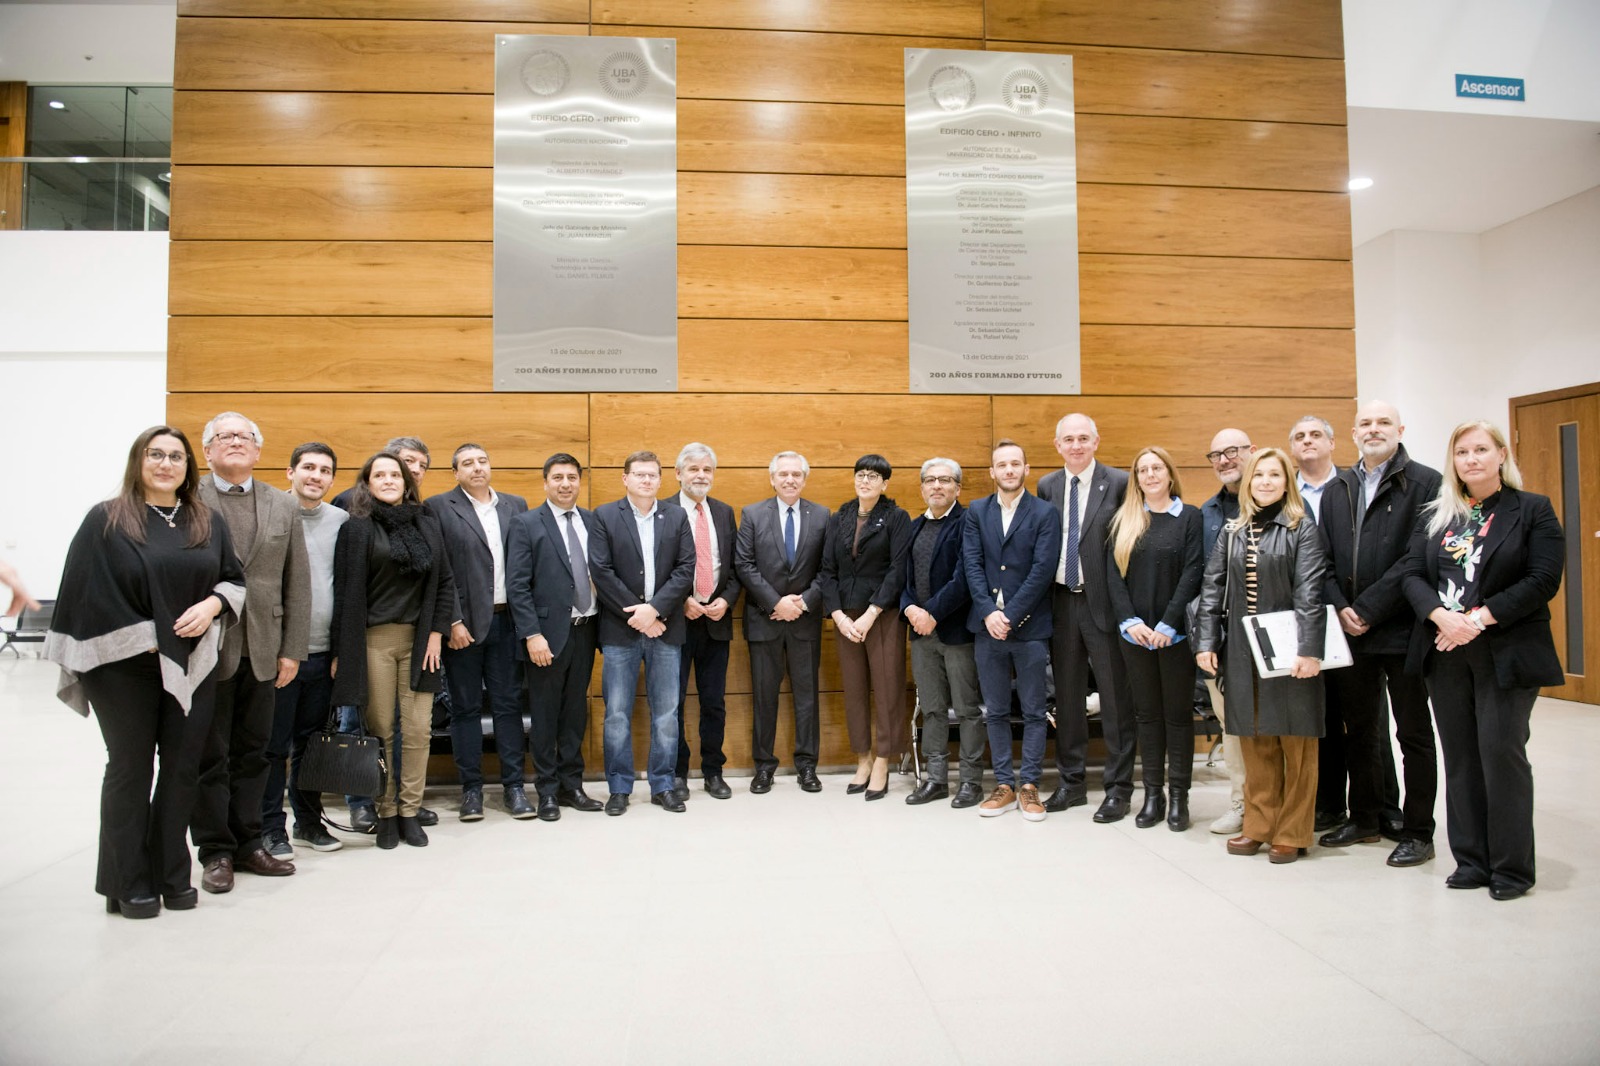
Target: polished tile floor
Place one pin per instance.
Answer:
(795, 928)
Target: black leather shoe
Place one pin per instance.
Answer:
(1391, 828)
(137, 907)
(388, 833)
(1063, 798)
(1464, 880)
(669, 801)
(363, 819)
(617, 805)
(762, 782)
(1347, 834)
(969, 794)
(1504, 892)
(718, 788)
(1112, 809)
(472, 805)
(517, 804)
(808, 780)
(927, 792)
(1178, 809)
(180, 901)
(427, 817)
(855, 788)
(680, 789)
(411, 831)
(579, 800)
(550, 809)
(1326, 820)
(1154, 809)
(1411, 853)
(878, 793)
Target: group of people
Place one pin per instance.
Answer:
(214, 624)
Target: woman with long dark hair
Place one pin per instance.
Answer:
(393, 602)
(149, 582)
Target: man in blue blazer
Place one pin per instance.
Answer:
(1009, 549)
(642, 559)
(554, 608)
(483, 650)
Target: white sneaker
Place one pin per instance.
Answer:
(1231, 821)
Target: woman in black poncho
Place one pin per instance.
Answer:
(149, 580)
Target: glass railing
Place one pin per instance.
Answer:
(94, 192)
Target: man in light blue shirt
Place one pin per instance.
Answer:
(1311, 444)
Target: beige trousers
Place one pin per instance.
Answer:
(1280, 789)
(388, 680)
(1231, 755)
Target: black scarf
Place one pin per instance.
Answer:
(407, 548)
(1264, 517)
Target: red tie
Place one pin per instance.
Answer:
(702, 554)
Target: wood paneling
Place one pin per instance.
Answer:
(1181, 220)
(791, 209)
(488, 10)
(786, 137)
(13, 142)
(936, 18)
(1279, 27)
(788, 355)
(822, 283)
(1195, 291)
(1189, 360)
(1186, 151)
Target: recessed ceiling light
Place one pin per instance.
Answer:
(167, 176)
(58, 105)
(1357, 184)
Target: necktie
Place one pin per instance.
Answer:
(582, 599)
(702, 554)
(788, 535)
(1072, 536)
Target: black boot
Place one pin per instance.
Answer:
(1155, 805)
(1178, 810)
(388, 833)
(411, 832)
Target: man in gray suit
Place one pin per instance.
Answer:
(1086, 494)
(778, 556)
(260, 654)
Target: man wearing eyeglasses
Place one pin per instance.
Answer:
(259, 655)
(1230, 450)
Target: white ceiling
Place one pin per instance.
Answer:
(1457, 173)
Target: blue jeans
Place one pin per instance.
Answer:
(491, 665)
(619, 679)
(997, 660)
(300, 709)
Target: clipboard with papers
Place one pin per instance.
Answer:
(1275, 642)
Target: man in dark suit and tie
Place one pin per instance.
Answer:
(554, 610)
(642, 559)
(778, 556)
(709, 613)
(1009, 547)
(483, 648)
(1085, 495)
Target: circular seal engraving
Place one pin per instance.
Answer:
(624, 75)
(1025, 91)
(545, 73)
(951, 88)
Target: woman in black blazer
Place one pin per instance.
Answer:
(1484, 564)
(393, 603)
(863, 574)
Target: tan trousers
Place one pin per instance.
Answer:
(1231, 755)
(1280, 789)
(873, 674)
(389, 679)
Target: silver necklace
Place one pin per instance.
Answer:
(170, 519)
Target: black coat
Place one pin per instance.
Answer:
(876, 574)
(768, 577)
(616, 562)
(1522, 560)
(540, 587)
(728, 587)
(471, 564)
(1366, 559)
(1105, 490)
(1289, 576)
(950, 600)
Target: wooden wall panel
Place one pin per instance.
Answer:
(1281, 27)
(822, 283)
(13, 142)
(1182, 291)
(934, 18)
(1189, 360)
(486, 10)
(1140, 150)
(792, 209)
(1181, 220)
(786, 137)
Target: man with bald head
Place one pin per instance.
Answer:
(1230, 450)
(1368, 512)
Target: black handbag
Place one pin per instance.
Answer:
(349, 764)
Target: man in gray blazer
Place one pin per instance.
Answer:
(1085, 495)
(778, 556)
(483, 650)
(260, 654)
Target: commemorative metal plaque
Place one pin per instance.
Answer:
(585, 214)
(991, 222)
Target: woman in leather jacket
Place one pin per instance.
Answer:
(1270, 558)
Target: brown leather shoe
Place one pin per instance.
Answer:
(217, 877)
(258, 861)
(1281, 853)
(1243, 845)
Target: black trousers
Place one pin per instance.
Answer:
(558, 711)
(1333, 775)
(233, 768)
(768, 660)
(1076, 644)
(1358, 690)
(142, 847)
(1488, 781)
(1162, 685)
(708, 657)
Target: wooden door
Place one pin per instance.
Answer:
(1556, 438)
(13, 142)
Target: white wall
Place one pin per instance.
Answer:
(128, 44)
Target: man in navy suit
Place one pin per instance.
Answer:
(642, 559)
(1009, 549)
(1085, 495)
(778, 556)
(709, 613)
(554, 609)
(483, 651)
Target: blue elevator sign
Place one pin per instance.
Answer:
(1487, 88)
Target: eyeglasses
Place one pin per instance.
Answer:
(939, 479)
(644, 475)
(157, 456)
(229, 438)
(1227, 453)
(868, 475)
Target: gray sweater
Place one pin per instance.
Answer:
(321, 526)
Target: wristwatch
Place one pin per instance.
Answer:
(1472, 616)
